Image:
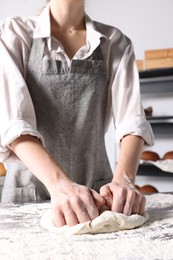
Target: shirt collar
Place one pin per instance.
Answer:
(92, 30)
(42, 28)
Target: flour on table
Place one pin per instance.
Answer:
(107, 222)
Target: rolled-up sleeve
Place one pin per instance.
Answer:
(17, 115)
(128, 112)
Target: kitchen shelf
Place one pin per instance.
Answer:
(160, 119)
(156, 73)
(152, 170)
(157, 83)
(153, 81)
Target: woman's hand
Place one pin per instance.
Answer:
(121, 196)
(73, 203)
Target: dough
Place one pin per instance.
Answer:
(107, 222)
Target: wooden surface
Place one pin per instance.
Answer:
(22, 237)
(159, 53)
(140, 65)
(158, 63)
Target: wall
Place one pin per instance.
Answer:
(19, 7)
(148, 23)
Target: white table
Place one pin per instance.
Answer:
(21, 236)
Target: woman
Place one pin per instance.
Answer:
(63, 77)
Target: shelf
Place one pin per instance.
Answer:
(160, 119)
(156, 73)
(157, 79)
(162, 125)
(151, 170)
(157, 84)
(154, 81)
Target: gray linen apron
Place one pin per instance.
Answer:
(70, 106)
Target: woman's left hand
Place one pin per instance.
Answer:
(121, 196)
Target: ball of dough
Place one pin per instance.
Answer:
(150, 156)
(2, 170)
(107, 222)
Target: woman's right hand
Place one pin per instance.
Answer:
(73, 203)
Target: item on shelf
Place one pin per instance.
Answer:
(2, 170)
(168, 155)
(147, 189)
(159, 54)
(148, 111)
(161, 58)
(150, 156)
(158, 63)
(140, 65)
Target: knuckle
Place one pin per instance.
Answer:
(87, 198)
(132, 194)
(93, 214)
(76, 202)
(104, 189)
(122, 191)
(86, 190)
(66, 205)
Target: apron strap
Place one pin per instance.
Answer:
(36, 52)
(97, 54)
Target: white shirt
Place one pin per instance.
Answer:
(17, 115)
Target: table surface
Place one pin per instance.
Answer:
(22, 237)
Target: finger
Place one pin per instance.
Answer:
(142, 205)
(135, 209)
(82, 215)
(137, 202)
(92, 210)
(90, 205)
(70, 217)
(130, 199)
(104, 208)
(58, 219)
(98, 199)
(106, 193)
(80, 210)
(119, 200)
